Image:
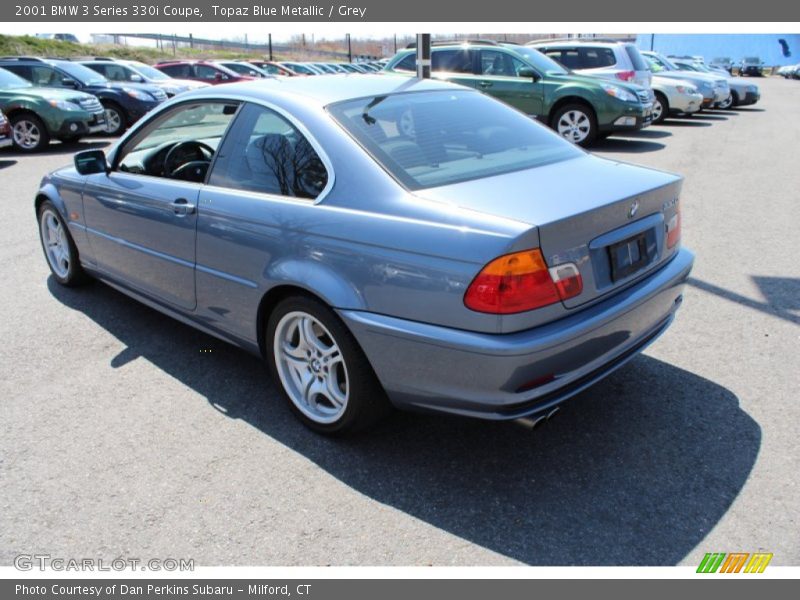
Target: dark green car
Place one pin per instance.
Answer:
(38, 114)
(578, 107)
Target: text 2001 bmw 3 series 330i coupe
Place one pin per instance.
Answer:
(380, 241)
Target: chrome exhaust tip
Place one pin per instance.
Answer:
(531, 423)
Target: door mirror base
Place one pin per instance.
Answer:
(90, 162)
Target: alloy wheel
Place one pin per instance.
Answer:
(55, 243)
(311, 367)
(113, 120)
(27, 134)
(574, 125)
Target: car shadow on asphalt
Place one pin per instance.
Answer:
(707, 117)
(678, 122)
(4, 164)
(55, 149)
(782, 296)
(649, 133)
(635, 471)
(626, 145)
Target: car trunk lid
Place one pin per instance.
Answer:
(608, 218)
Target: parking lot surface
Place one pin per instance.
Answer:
(126, 434)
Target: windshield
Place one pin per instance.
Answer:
(148, 71)
(85, 75)
(428, 139)
(540, 62)
(653, 65)
(752, 60)
(664, 62)
(9, 81)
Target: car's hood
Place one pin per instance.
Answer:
(46, 93)
(670, 82)
(120, 85)
(551, 192)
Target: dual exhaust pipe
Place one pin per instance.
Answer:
(532, 423)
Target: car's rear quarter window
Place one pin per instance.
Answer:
(438, 138)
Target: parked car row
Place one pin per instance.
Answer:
(790, 71)
(48, 99)
(585, 89)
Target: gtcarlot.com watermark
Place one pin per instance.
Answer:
(47, 562)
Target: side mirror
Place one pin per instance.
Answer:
(137, 78)
(528, 73)
(90, 162)
(69, 82)
(219, 77)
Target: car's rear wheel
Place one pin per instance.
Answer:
(660, 108)
(734, 99)
(115, 119)
(59, 247)
(29, 132)
(320, 368)
(576, 123)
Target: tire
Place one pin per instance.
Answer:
(59, 248)
(29, 132)
(322, 373)
(116, 121)
(734, 99)
(727, 103)
(575, 122)
(663, 108)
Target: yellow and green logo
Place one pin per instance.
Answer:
(734, 562)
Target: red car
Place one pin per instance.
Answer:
(201, 70)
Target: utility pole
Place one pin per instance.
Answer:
(349, 49)
(270, 46)
(424, 55)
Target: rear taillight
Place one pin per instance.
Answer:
(626, 75)
(674, 228)
(519, 282)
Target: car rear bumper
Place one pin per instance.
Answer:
(508, 376)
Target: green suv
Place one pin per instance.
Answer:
(38, 114)
(579, 107)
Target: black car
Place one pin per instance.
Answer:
(124, 103)
(751, 65)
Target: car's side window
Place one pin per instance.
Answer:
(265, 153)
(596, 58)
(409, 63)
(452, 61)
(116, 73)
(495, 62)
(207, 73)
(180, 143)
(46, 76)
(179, 71)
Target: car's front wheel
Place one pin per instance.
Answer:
(115, 119)
(576, 123)
(59, 247)
(660, 108)
(320, 368)
(29, 132)
(727, 103)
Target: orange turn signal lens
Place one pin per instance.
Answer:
(512, 283)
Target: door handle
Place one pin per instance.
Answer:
(485, 84)
(182, 207)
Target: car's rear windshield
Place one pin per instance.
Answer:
(429, 139)
(636, 59)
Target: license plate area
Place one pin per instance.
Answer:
(628, 256)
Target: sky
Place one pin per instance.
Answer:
(257, 32)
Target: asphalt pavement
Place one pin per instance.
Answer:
(126, 434)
